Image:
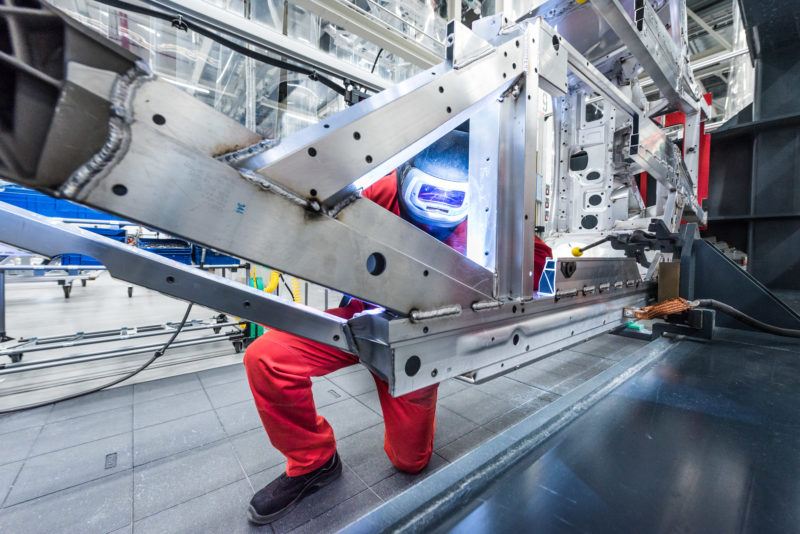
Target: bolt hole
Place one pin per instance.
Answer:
(515, 339)
(556, 44)
(376, 263)
(517, 43)
(412, 365)
(441, 89)
(119, 189)
(326, 125)
(312, 151)
(513, 309)
(492, 338)
(368, 159)
(159, 119)
(425, 272)
(356, 136)
(434, 372)
(504, 75)
(170, 279)
(313, 192)
(246, 304)
(527, 348)
(425, 330)
(336, 337)
(449, 110)
(514, 66)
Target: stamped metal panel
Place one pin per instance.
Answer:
(40, 235)
(208, 202)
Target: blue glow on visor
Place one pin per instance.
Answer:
(435, 201)
(431, 193)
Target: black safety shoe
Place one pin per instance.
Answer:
(278, 497)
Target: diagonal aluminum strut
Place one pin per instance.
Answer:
(27, 230)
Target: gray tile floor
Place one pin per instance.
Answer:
(185, 454)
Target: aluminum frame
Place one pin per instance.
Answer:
(181, 167)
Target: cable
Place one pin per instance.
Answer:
(374, 63)
(289, 289)
(187, 24)
(746, 319)
(156, 355)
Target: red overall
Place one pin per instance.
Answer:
(279, 366)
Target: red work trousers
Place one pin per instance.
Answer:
(279, 366)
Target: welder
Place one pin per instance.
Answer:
(432, 192)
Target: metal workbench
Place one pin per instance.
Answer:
(682, 436)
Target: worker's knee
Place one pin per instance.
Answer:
(265, 355)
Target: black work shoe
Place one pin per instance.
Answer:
(278, 497)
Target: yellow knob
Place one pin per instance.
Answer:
(581, 1)
(577, 252)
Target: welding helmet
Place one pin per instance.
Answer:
(434, 188)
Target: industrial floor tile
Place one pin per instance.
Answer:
(182, 477)
(399, 481)
(173, 437)
(450, 426)
(8, 474)
(165, 387)
(190, 450)
(455, 449)
(364, 453)
(240, 417)
(325, 392)
(220, 510)
(105, 401)
(96, 507)
(65, 468)
(477, 406)
(356, 383)
(222, 375)
(229, 393)
(83, 429)
(178, 406)
(255, 452)
(17, 445)
(30, 418)
(348, 417)
(342, 514)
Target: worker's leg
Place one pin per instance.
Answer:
(410, 422)
(279, 366)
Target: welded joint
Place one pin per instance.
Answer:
(116, 144)
(452, 310)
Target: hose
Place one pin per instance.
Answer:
(744, 318)
(297, 296)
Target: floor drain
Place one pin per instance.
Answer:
(111, 460)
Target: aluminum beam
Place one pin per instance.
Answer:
(353, 19)
(262, 36)
(653, 47)
(38, 234)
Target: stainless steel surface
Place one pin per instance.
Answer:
(484, 344)
(34, 232)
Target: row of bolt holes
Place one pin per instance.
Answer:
(413, 363)
(245, 304)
